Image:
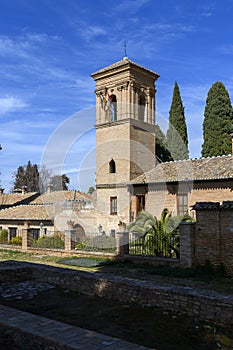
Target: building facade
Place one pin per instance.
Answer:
(125, 136)
(128, 176)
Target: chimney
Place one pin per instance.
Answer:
(1, 190)
(49, 189)
(24, 190)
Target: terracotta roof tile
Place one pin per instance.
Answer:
(27, 212)
(122, 63)
(61, 196)
(192, 169)
(13, 198)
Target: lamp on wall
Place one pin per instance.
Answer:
(41, 228)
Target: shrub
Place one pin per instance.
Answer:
(3, 236)
(100, 243)
(82, 244)
(49, 242)
(16, 240)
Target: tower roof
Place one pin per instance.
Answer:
(125, 63)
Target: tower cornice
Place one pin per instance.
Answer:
(121, 66)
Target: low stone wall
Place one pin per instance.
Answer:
(12, 338)
(205, 305)
(13, 274)
(150, 260)
(24, 331)
(57, 252)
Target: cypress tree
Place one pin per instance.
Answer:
(27, 176)
(161, 151)
(217, 125)
(177, 137)
(20, 178)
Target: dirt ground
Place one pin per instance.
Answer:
(146, 326)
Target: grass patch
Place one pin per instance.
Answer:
(83, 262)
(202, 277)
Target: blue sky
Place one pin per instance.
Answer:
(48, 49)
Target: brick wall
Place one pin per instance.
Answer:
(162, 196)
(227, 238)
(214, 234)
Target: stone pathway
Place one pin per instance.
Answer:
(24, 331)
(23, 290)
(28, 330)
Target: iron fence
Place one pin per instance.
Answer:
(50, 240)
(96, 243)
(153, 246)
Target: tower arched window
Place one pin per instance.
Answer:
(112, 166)
(113, 106)
(142, 107)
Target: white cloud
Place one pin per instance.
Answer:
(225, 49)
(11, 104)
(89, 32)
(131, 5)
(167, 27)
(207, 10)
(22, 46)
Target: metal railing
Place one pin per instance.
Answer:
(152, 246)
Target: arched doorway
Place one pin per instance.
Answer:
(79, 232)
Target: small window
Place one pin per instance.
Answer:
(182, 204)
(112, 166)
(113, 102)
(110, 106)
(141, 108)
(140, 203)
(113, 205)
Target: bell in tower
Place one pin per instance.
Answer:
(125, 90)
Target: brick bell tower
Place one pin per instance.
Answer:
(125, 136)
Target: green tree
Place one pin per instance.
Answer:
(27, 176)
(32, 177)
(177, 137)
(91, 190)
(20, 178)
(161, 235)
(217, 125)
(161, 151)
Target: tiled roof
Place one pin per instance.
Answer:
(213, 205)
(61, 196)
(27, 212)
(192, 169)
(125, 62)
(13, 198)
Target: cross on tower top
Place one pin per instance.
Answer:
(125, 46)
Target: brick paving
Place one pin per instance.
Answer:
(63, 335)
